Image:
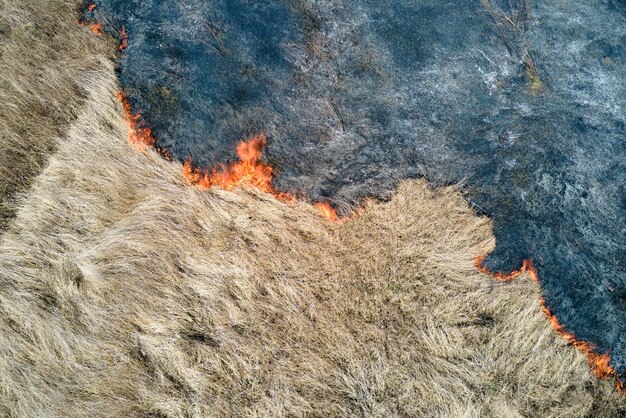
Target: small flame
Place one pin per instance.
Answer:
(599, 363)
(164, 152)
(137, 135)
(94, 27)
(527, 266)
(247, 171)
(123, 39)
(327, 211)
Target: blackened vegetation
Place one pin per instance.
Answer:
(523, 103)
(511, 28)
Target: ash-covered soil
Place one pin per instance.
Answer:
(521, 101)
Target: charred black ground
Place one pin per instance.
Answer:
(522, 102)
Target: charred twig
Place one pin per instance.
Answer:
(522, 11)
(511, 29)
(217, 36)
(337, 115)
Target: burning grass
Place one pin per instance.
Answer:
(248, 171)
(138, 135)
(599, 363)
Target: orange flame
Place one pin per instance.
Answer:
(248, 170)
(327, 211)
(599, 363)
(137, 135)
(123, 39)
(94, 27)
(164, 152)
(527, 266)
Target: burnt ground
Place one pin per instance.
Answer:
(522, 102)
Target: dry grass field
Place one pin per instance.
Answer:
(124, 291)
(44, 58)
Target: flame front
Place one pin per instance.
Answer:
(123, 39)
(249, 170)
(327, 211)
(137, 135)
(527, 266)
(599, 363)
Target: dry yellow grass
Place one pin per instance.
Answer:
(43, 58)
(126, 292)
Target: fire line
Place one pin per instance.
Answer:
(249, 170)
(599, 363)
(95, 27)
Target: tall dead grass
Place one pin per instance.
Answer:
(44, 55)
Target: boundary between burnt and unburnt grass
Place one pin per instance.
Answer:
(125, 292)
(251, 171)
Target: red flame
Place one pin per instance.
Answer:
(599, 363)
